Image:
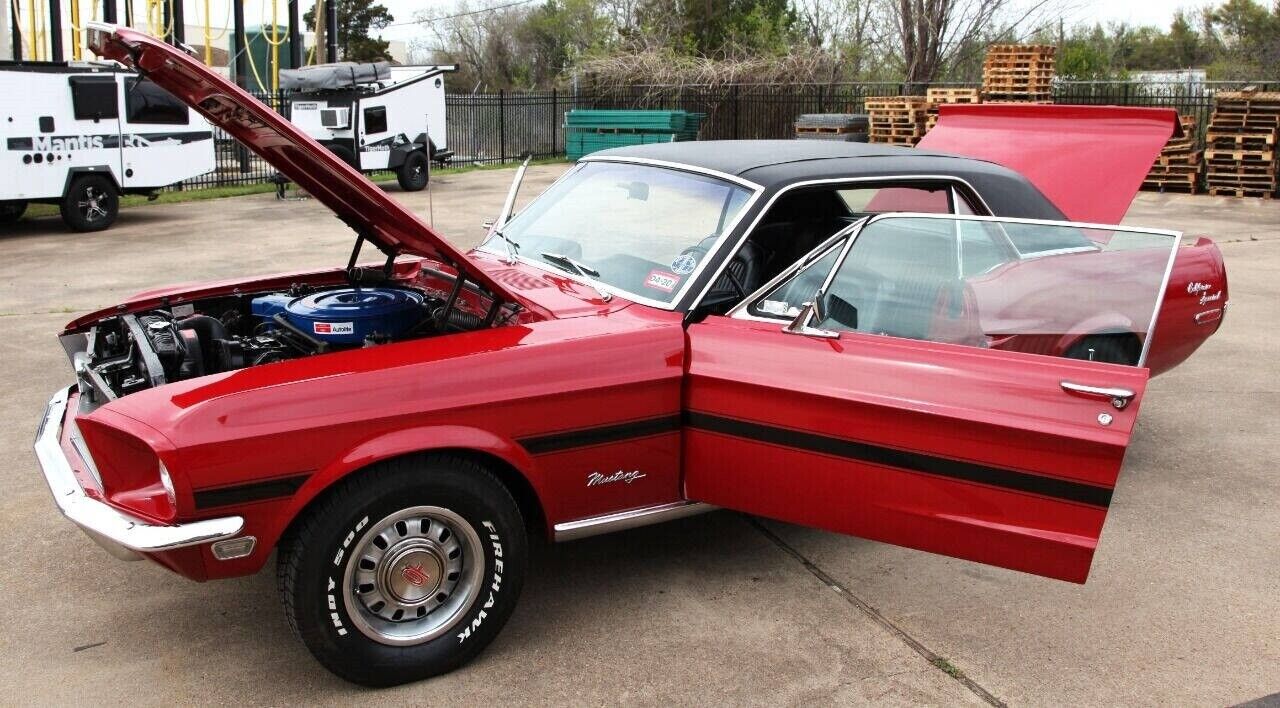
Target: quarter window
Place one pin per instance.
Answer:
(94, 97)
(375, 120)
(147, 103)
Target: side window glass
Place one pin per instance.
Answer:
(981, 248)
(94, 97)
(785, 300)
(145, 102)
(901, 278)
(375, 120)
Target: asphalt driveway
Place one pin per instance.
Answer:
(1183, 605)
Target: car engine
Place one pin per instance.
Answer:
(127, 353)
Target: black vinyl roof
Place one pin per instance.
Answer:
(775, 164)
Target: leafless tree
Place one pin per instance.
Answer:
(933, 33)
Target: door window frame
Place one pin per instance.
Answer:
(971, 195)
(743, 310)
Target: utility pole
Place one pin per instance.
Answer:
(331, 39)
(239, 63)
(176, 20)
(55, 29)
(295, 36)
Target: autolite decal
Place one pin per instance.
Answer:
(333, 327)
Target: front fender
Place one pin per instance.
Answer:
(413, 440)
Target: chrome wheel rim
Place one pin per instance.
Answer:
(91, 204)
(412, 575)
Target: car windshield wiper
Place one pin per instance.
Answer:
(567, 263)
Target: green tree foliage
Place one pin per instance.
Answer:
(355, 20)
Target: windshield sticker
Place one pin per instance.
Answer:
(775, 307)
(684, 264)
(662, 280)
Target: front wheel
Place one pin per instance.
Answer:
(412, 175)
(90, 204)
(406, 570)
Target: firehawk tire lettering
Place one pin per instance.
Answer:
(495, 540)
(328, 541)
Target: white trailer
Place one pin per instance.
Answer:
(374, 116)
(80, 134)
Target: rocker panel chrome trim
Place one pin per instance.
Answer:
(634, 518)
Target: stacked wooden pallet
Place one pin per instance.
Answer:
(897, 120)
(1240, 144)
(939, 96)
(1178, 167)
(1018, 72)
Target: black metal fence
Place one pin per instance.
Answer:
(486, 129)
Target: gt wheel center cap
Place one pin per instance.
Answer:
(412, 575)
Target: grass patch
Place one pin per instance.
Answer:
(948, 668)
(240, 190)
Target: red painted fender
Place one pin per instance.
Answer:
(413, 440)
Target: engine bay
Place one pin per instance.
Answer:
(127, 353)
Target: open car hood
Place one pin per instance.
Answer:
(357, 201)
(1088, 160)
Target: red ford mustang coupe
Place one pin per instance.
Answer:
(905, 345)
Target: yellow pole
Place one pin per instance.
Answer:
(31, 31)
(75, 30)
(208, 36)
(275, 48)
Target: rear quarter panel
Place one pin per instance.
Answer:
(1195, 303)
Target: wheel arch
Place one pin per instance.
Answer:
(77, 172)
(506, 459)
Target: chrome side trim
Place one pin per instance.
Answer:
(950, 179)
(124, 536)
(623, 520)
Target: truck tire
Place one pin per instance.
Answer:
(404, 571)
(414, 173)
(11, 212)
(90, 204)
(343, 152)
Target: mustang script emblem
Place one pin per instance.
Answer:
(415, 574)
(596, 479)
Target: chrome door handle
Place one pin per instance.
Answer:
(1119, 397)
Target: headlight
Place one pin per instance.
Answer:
(167, 482)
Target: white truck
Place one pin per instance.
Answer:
(81, 134)
(374, 116)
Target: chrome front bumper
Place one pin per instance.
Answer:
(124, 536)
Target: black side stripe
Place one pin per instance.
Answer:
(605, 434)
(251, 492)
(1078, 492)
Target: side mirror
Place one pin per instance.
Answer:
(809, 312)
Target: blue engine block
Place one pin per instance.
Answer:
(345, 315)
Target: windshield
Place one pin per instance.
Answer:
(643, 230)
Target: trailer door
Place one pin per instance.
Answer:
(162, 141)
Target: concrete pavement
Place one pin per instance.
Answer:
(1181, 606)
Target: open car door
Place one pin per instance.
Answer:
(960, 385)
